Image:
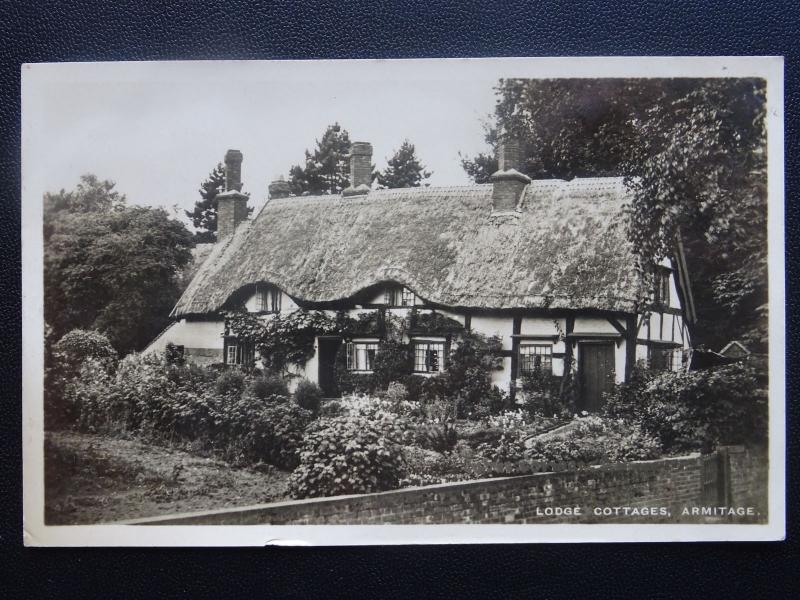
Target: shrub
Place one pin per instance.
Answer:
(490, 436)
(541, 393)
(192, 405)
(266, 386)
(625, 400)
(396, 393)
(701, 409)
(78, 345)
(413, 385)
(331, 408)
(494, 402)
(272, 433)
(469, 371)
(694, 410)
(440, 437)
(64, 364)
(393, 362)
(346, 455)
(308, 395)
(173, 355)
(230, 382)
(88, 399)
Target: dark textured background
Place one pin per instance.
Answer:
(138, 30)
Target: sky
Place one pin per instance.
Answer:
(158, 129)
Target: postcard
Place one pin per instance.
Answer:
(403, 301)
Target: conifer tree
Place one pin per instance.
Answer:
(326, 170)
(404, 169)
(204, 214)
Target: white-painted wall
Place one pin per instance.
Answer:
(190, 334)
(287, 304)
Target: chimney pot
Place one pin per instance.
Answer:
(233, 170)
(360, 169)
(510, 154)
(279, 188)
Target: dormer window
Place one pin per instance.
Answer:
(661, 288)
(400, 296)
(268, 299)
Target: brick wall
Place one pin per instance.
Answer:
(653, 492)
(747, 477)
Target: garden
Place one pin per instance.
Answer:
(395, 429)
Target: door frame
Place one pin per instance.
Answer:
(327, 339)
(581, 366)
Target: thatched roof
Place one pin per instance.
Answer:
(567, 248)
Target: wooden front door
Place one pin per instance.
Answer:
(596, 371)
(328, 347)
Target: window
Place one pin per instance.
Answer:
(535, 357)
(361, 355)
(269, 299)
(232, 354)
(664, 359)
(661, 292)
(399, 296)
(428, 357)
(239, 353)
(407, 297)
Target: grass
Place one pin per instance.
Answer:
(95, 479)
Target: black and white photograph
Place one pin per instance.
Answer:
(343, 302)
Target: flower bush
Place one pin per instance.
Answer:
(440, 437)
(597, 440)
(346, 455)
(426, 467)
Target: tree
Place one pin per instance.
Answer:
(110, 267)
(693, 154)
(327, 170)
(204, 213)
(404, 169)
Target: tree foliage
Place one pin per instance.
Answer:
(404, 169)
(326, 170)
(109, 266)
(693, 153)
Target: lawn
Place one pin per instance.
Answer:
(95, 479)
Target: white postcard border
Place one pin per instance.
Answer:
(35, 78)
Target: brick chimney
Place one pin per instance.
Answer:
(231, 204)
(279, 188)
(360, 169)
(508, 183)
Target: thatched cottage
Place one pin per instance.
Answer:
(543, 264)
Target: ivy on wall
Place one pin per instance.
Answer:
(288, 339)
